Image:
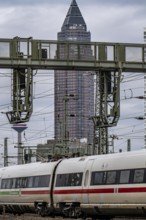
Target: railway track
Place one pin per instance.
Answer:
(36, 217)
(24, 217)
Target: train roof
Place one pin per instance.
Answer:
(23, 170)
(113, 155)
(134, 159)
(44, 168)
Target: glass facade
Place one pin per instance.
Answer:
(145, 95)
(74, 90)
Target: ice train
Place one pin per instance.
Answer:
(100, 187)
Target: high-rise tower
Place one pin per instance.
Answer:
(145, 94)
(74, 90)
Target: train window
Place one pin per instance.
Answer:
(72, 179)
(18, 182)
(62, 180)
(75, 179)
(13, 183)
(138, 176)
(98, 178)
(30, 182)
(65, 180)
(6, 184)
(111, 177)
(124, 176)
(24, 182)
(35, 181)
(44, 181)
(38, 181)
(10, 183)
(3, 185)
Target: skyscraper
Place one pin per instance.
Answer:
(74, 90)
(145, 94)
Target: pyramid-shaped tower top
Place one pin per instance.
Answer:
(74, 18)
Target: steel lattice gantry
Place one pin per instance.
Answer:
(108, 61)
(107, 108)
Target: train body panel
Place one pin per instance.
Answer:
(68, 181)
(26, 184)
(121, 165)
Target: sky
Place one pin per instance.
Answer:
(108, 21)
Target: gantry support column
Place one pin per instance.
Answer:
(21, 96)
(107, 108)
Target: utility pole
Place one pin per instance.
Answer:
(128, 145)
(65, 135)
(27, 155)
(113, 137)
(65, 122)
(5, 152)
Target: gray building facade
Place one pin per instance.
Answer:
(145, 95)
(74, 90)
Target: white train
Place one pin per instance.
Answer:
(100, 187)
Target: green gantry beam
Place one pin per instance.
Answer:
(47, 54)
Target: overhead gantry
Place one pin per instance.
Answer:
(108, 61)
(46, 54)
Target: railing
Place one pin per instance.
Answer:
(48, 54)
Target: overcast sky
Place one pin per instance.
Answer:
(108, 21)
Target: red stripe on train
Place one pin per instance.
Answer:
(70, 191)
(132, 190)
(83, 191)
(34, 192)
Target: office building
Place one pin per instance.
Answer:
(145, 95)
(74, 90)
